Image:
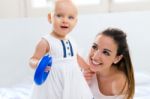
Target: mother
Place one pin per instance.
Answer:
(110, 75)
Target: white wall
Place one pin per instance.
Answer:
(12, 9)
(17, 42)
(135, 24)
(19, 37)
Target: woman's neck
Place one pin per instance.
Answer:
(107, 73)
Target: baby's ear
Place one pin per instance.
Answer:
(76, 20)
(49, 17)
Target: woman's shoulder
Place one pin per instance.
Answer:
(120, 83)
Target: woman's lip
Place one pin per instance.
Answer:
(94, 63)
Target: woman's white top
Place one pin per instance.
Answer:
(65, 79)
(96, 92)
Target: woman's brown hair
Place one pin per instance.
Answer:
(125, 64)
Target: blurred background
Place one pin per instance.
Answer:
(23, 22)
(39, 8)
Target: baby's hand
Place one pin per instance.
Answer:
(47, 69)
(88, 74)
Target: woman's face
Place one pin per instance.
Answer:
(103, 53)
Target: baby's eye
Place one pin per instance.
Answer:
(106, 53)
(71, 17)
(58, 15)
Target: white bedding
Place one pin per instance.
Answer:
(22, 91)
(142, 85)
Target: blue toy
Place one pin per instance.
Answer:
(40, 74)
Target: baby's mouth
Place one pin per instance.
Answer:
(64, 27)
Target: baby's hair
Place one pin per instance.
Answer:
(52, 4)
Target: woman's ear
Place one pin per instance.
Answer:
(49, 17)
(118, 58)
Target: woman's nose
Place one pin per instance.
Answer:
(97, 55)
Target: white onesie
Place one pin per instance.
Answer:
(65, 79)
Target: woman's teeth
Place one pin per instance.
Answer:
(96, 63)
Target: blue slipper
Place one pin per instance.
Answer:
(40, 74)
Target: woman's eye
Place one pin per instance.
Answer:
(106, 53)
(94, 47)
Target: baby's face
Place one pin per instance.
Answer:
(64, 17)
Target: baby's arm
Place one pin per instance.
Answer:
(82, 62)
(41, 49)
(88, 74)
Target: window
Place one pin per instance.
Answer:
(46, 3)
(87, 2)
(129, 5)
(40, 7)
(39, 3)
(126, 1)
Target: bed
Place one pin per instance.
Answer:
(23, 90)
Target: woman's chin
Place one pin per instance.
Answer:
(94, 68)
